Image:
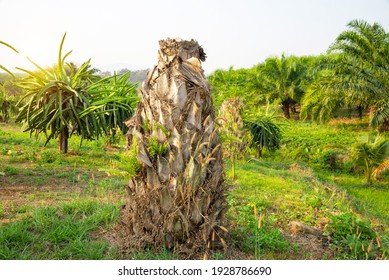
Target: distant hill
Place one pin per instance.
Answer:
(137, 76)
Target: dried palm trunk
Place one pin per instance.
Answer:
(232, 127)
(178, 195)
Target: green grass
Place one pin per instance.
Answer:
(281, 196)
(65, 198)
(61, 232)
(296, 193)
(298, 183)
(61, 199)
(370, 201)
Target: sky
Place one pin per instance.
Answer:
(118, 34)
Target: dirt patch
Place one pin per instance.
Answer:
(17, 198)
(310, 247)
(312, 244)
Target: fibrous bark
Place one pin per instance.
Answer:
(177, 198)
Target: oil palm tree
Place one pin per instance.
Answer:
(284, 80)
(177, 198)
(370, 155)
(357, 75)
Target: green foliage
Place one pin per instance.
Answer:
(356, 76)
(7, 105)
(285, 79)
(354, 237)
(128, 164)
(67, 100)
(130, 160)
(265, 134)
(314, 144)
(254, 238)
(234, 83)
(55, 98)
(48, 156)
(154, 147)
(331, 159)
(112, 100)
(370, 155)
(278, 80)
(9, 170)
(233, 136)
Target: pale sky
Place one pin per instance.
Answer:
(118, 33)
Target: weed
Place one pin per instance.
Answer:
(256, 235)
(48, 156)
(332, 159)
(16, 241)
(125, 165)
(155, 148)
(353, 237)
(217, 256)
(30, 155)
(3, 151)
(9, 170)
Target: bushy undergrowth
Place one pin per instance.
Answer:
(353, 238)
(316, 144)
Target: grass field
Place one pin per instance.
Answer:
(288, 205)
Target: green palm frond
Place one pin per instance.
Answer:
(72, 100)
(265, 134)
(12, 48)
(369, 155)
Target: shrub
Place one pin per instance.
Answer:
(332, 159)
(353, 237)
(265, 134)
(370, 155)
(48, 156)
(11, 170)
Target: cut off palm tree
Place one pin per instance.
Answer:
(177, 198)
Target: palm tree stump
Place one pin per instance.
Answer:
(176, 200)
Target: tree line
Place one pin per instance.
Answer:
(68, 99)
(353, 75)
